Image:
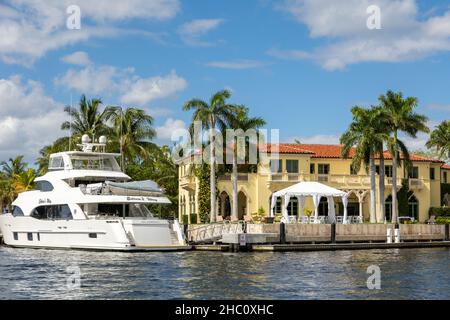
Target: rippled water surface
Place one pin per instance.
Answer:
(44, 274)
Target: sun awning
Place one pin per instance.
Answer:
(315, 190)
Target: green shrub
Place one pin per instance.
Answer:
(443, 220)
(440, 211)
(258, 217)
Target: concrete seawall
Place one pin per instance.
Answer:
(322, 233)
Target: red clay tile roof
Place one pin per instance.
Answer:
(286, 148)
(445, 167)
(332, 151)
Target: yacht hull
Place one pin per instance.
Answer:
(90, 234)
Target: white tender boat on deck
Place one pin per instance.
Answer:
(86, 202)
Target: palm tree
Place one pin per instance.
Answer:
(24, 181)
(243, 122)
(87, 120)
(215, 114)
(440, 139)
(364, 136)
(13, 166)
(132, 132)
(7, 192)
(400, 117)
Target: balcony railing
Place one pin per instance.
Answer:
(342, 180)
(227, 177)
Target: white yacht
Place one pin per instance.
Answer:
(86, 202)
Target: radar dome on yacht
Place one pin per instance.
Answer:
(102, 140)
(85, 139)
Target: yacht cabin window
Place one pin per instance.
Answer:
(44, 186)
(93, 163)
(17, 212)
(52, 212)
(56, 163)
(132, 210)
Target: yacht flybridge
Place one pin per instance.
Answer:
(86, 202)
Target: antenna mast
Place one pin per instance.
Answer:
(70, 122)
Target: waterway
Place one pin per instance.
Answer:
(57, 274)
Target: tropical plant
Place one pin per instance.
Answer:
(440, 140)
(24, 181)
(7, 193)
(364, 136)
(215, 114)
(400, 117)
(87, 119)
(132, 133)
(242, 124)
(13, 166)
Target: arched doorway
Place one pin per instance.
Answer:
(242, 205)
(224, 205)
(413, 207)
(388, 208)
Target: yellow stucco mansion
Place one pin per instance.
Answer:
(322, 163)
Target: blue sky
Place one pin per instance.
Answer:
(300, 64)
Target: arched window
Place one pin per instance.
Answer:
(413, 207)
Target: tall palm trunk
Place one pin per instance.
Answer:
(213, 172)
(394, 181)
(373, 200)
(234, 178)
(382, 189)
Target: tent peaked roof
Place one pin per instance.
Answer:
(310, 189)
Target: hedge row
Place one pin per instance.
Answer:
(440, 211)
(443, 220)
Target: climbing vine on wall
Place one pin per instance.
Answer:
(204, 194)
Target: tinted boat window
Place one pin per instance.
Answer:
(17, 212)
(44, 186)
(57, 212)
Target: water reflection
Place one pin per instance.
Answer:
(406, 274)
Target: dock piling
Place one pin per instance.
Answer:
(333, 233)
(282, 233)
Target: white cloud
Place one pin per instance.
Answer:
(236, 64)
(191, 32)
(29, 119)
(79, 58)
(142, 91)
(403, 36)
(164, 132)
(92, 79)
(29, 29)
(131, 88)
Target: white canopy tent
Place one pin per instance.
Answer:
(315, 190)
